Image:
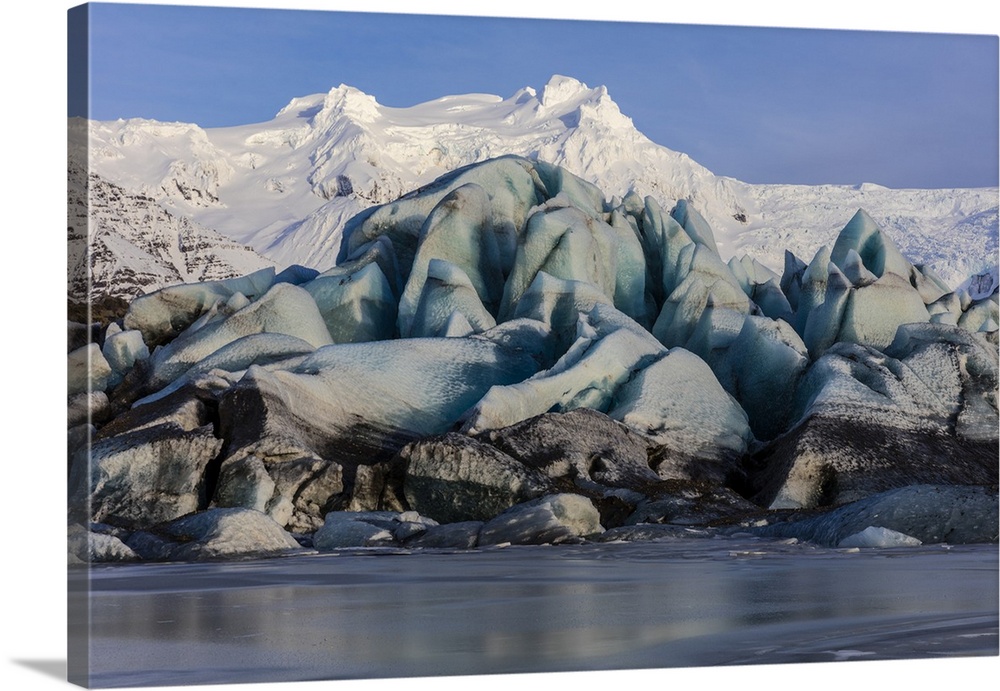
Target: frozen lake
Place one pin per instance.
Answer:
(383, 613)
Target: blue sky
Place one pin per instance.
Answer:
(758, 104)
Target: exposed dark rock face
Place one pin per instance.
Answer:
(674, 464)
(244, 482)
(296, 493)
(213, 534)
(456, 478)
(87, 407)
(79, 333)
(955, 514)
(552, 519)
(181, 408)
(96, 547)
(351, 529)
(345, 529)
(125, 226)
(258, 417)
(874, 422)
(378, 487)
(833, 461)
(77, 457)
(461, 535)
(304, 490)
(580, 444)
(690, 503)
(148, 476)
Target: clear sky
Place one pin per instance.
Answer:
(758, 104)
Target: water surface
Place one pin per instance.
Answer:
(387, 613)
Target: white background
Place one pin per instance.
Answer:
(32, 373)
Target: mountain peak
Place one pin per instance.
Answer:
(564, 96)
(353, 102)
(288, 185)
(561, 89)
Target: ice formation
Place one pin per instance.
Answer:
(356, 307)
(165, 313)
(877, 536)
(679, 403)
(512, 191)
(510, 297)
(459, 231)
(284, 309)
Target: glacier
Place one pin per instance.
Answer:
(510, 351)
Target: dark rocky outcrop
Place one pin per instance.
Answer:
(690, 503)
(213, 534)
(580, 444)
(461, 535)
(352, 529)
(827, 461)
(553, 519)
(184, 409)
(873, 422)
(955, 514)
(456, 478)
(148, 476)
(97, 547)
(296, 493)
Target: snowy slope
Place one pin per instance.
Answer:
(954, 232)
(133, 245)
(286, 186)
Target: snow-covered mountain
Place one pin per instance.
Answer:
(287, 186)
(134, 245)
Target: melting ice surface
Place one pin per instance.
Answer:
(670, 603)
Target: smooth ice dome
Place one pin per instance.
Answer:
(512, 192)
(164, 313)
(678, 402)
(356, 307)
(412, 387)
(285, 309)
(567, 244)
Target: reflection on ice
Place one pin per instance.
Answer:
(576, 607)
